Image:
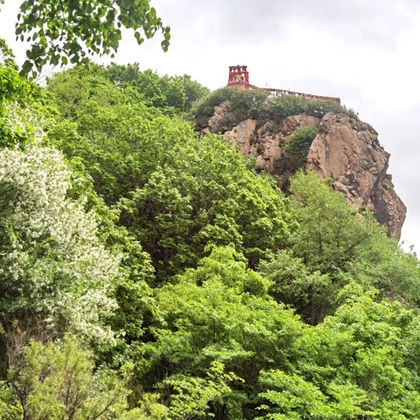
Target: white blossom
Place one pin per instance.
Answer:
(72, 281)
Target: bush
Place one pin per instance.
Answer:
(298, 145)
(253, 104)
(283, 106)
(243, 104)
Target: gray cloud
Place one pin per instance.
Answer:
(354, 21)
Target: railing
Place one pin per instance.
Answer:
(279, 92)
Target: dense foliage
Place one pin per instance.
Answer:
(12, 88)
(150, 273)
(179, 92)
(169, 185)
(255, 104)
(298, 145)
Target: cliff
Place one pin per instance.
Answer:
(344, 148)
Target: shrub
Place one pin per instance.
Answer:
(254, 104)
(298, 145)
(243, 104)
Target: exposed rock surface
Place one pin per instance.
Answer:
(348, 151)
(344, 149)
(219, 112)
(267, 142)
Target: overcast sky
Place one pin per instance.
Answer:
(364, 51)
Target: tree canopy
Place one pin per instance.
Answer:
(70, 31)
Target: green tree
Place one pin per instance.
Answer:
(355, 364)
(193, 90)
(204, 196)
(70, 31)
(335, 244)
(192, 395)
(157, 91)
(295, 284)
(12, 88)
(218, 312)
(328, 240)
(58, 380)
(330, 231)
(290, 397)
(179, 92)
(335, 237)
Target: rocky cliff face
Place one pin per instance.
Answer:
(344, 149)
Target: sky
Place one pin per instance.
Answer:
(364, 51)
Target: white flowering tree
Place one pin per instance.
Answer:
(53, 268)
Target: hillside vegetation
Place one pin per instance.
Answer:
(150, 273)
(257, 105)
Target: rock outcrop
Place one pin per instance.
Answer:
(348, 151)
(344, 149)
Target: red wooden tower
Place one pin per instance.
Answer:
(238, 76)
